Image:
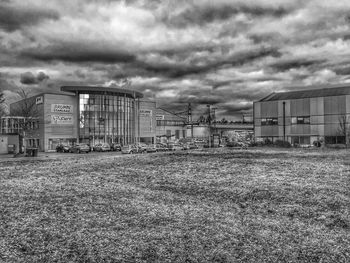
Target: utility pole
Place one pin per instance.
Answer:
(284, 121)
(189, 118)
(214, 119)
(209, 125)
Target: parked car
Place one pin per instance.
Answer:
(175, 147)
(192, 146)
(102, 147)
(142, 148)
(151, 148)
(161, 147)
(116, 147)
(130, 149)
(62, 148)
(81, 147)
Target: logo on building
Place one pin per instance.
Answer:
(62, 108)
(39, 100)
(61, 119)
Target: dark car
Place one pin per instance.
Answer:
(161, 147)
(81, 147)
(62, 148)
(151, 148)
(116, 147)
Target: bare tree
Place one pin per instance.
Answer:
(2, 105)
(28, 110)
(344, 128)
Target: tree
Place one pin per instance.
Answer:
(201, 119)
(2, 104)
(344, 128)
(28, 110)
(224, 121)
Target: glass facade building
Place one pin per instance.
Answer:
(106, 114)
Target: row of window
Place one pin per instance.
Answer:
(170, 123)
(269, 121)
(307, 139)
(295, 120)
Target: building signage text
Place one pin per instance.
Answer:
(61, 119)
(145, 113)
(62, 108)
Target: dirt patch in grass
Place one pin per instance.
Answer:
(203, 206)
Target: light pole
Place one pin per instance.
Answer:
(209, 126)
(214, 118)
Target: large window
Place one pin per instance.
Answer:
(107, 118)
(269, 121)
(301, 120)
(335, 139)
(300, 140)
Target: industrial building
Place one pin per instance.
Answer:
(304, 116)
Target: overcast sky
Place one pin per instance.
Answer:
(226, 53)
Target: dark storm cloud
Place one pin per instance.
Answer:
(200, 15)
(342, 70)
(72, 52)
(42, 76)
(284, 65)
(28, 78)
(234, 108)
(178, 70)
(13, 18)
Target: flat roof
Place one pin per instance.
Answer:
(334, 90)
(100, 89)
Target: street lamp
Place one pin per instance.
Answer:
(209, 126)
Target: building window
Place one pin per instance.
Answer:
(300, 140)
(301, 120)
(170, 123)
(269, 121)
(177, 134)
(335, 139)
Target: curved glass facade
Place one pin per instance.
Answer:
(107, 117)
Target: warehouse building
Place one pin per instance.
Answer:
(90, 114)
(305, 116)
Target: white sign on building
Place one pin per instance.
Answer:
(39, 100)
(159, 117)
(62, 119)
(145, 113)
(62, 108)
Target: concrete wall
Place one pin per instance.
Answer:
(6, 140)
(60, 117)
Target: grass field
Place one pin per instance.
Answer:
(260, 205)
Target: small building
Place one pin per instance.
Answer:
(9, 143)
(304, 116)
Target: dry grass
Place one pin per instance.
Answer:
(210, 206)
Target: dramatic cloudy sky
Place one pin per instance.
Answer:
(226, 53)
